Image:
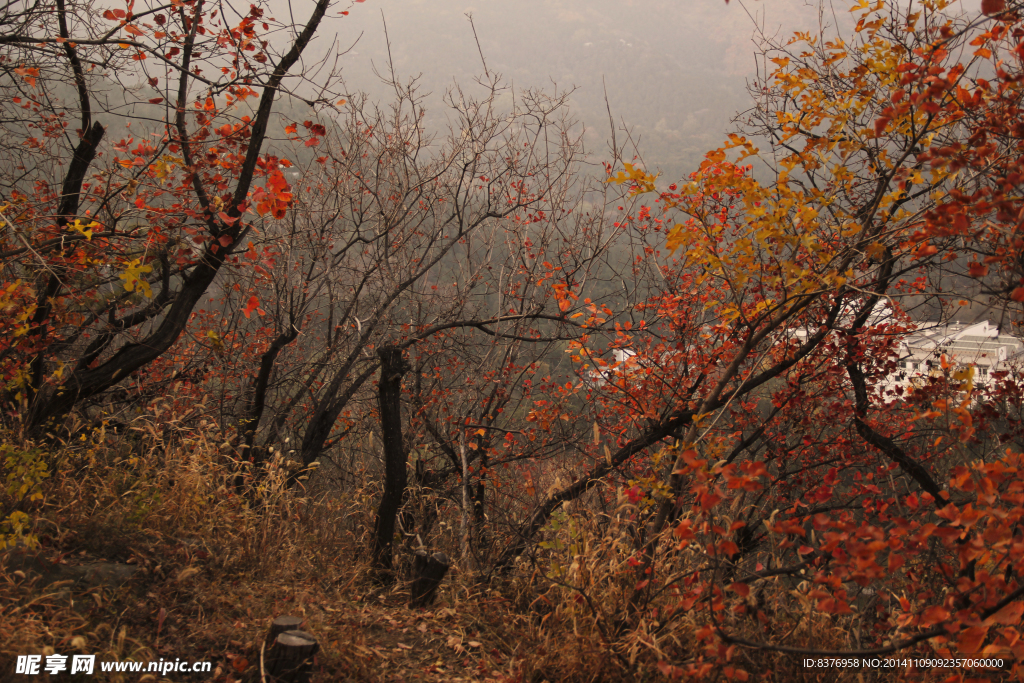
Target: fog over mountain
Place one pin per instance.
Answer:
(675, 72)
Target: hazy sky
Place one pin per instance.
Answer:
(675, 69)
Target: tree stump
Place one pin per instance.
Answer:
(427, 573)
(279, 626)
(288, 655)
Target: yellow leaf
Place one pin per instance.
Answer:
(86, 230)
(133, 278)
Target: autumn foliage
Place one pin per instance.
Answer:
(654, 415)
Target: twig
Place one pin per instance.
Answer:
(29, 246)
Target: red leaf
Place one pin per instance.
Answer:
(1017, 294)
(253, 305)
(993, 6)
(741, 589)
(156, 100)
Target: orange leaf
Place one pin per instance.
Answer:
(29, 74)
(1007, 616)
(971, 639)
(934, 615)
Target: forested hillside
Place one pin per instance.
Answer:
(316, 373)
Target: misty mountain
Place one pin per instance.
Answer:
(675, 72)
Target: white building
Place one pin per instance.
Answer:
(977, 344)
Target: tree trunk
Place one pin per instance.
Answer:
(427, 573)
(392, 368)
(256, 403)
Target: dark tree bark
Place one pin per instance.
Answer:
(258, 398)
(392, 368)
(279, 626)
(427, 573)
(290, 660)
(71, 191)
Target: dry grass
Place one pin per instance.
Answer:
(214, 568)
